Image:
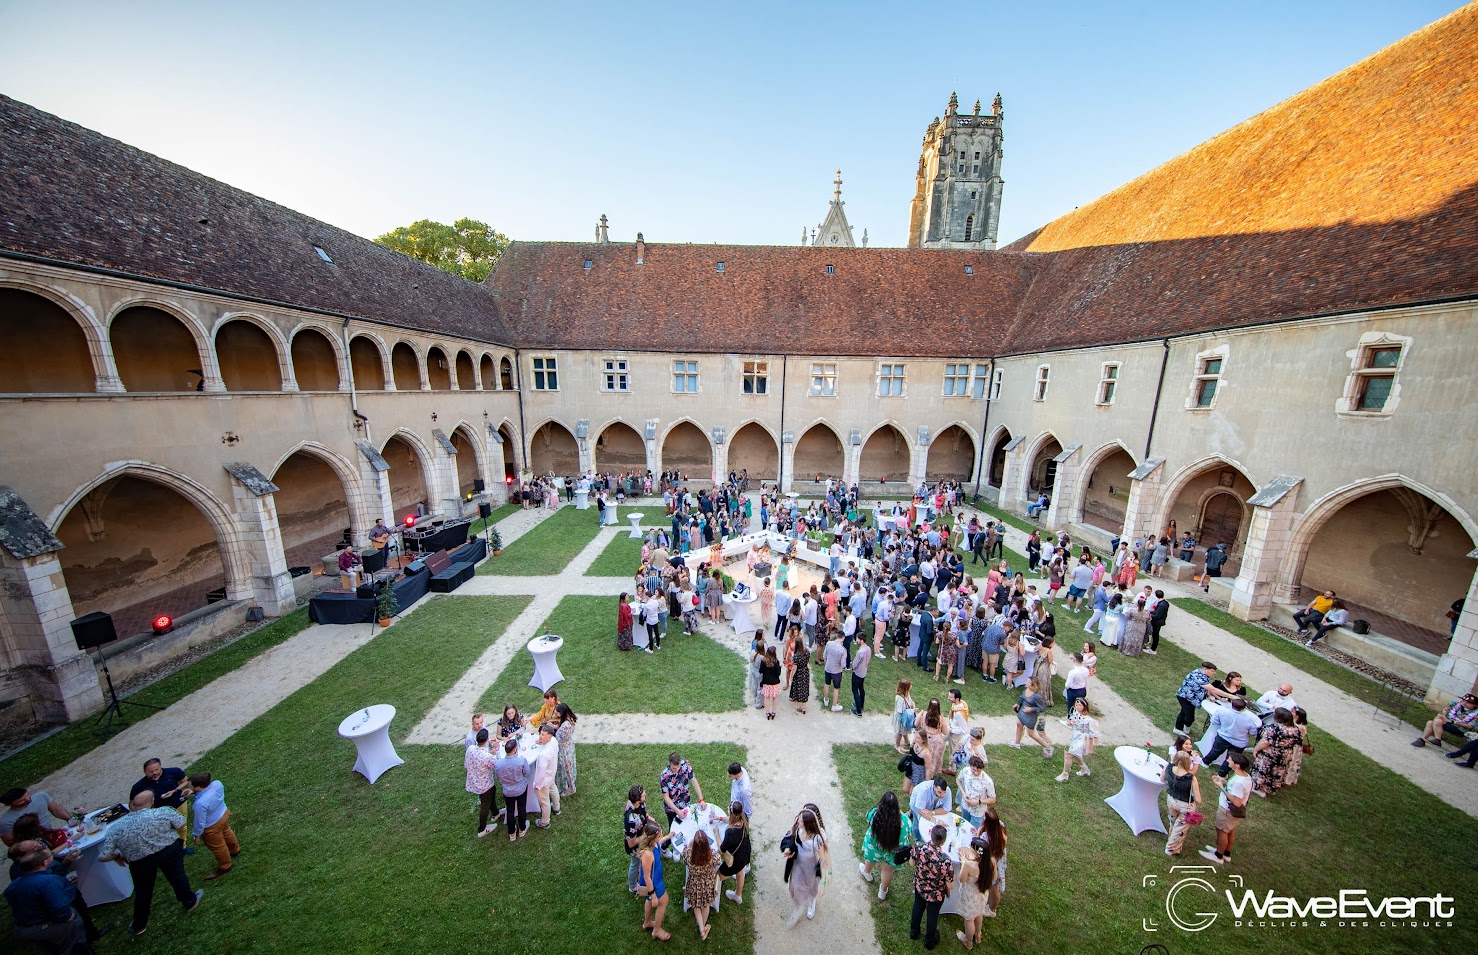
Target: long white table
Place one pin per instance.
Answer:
(1138, 801)
(369, 728)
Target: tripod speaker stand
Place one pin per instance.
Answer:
(93, 632)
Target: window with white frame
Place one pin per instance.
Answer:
(616, 375)
(1039, 393)
(1371, 387)
(1108, 382)
(957, 380)
(890, 380)
(546, 374)
(756, 377)
(823, 379)
(982, 378)
(685, 377)
(995, 383)
(1207, 381)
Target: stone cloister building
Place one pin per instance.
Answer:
(1269, 340)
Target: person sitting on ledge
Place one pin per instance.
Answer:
(1460, 715)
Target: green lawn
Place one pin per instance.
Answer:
(1355, 684)
(47, 756)
(1074, 880)
(620, 558)
(547, 548)
(332, 863)
(688, 675)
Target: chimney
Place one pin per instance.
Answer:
(641, 249)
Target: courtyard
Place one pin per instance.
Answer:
(331, 862)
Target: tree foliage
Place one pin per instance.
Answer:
(467, 247)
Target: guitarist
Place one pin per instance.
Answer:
(379, 535)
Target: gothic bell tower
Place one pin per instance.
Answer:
(957, 199)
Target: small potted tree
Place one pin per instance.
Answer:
(495, 542)
(386, 605)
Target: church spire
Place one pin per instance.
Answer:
(837, 195)
(834, 231)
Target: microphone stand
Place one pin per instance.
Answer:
(114, 709)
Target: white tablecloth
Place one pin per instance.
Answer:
(369, 728)
(742, 621)
(99, 882)
(960, 834)
(1138, 801)
(712, 820)
(1030, 656)
(546, 668)
(635, 518)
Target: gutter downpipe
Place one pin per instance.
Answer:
(985, 428)
(522, 436)
(1149, 438)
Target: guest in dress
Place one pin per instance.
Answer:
(564, 773)
(1136, 623)
(976, 874)
(903, 715)
(701, 884)
(1182, 794)
(886, 842)
(1305, 747)
(1274, 752)
(650, 885)
(810, 862)
(1085, 735)
(736, 848)
(800, 680)
(936, 735)
(624, 621)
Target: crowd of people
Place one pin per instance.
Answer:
(167, 809)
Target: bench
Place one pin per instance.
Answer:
(447, 576)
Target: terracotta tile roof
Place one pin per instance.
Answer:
(1358, 192)
(78, 196)
(768, 299)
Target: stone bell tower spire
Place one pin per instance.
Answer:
(834, 231)
(957, 195)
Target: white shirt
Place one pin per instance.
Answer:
(544, 757)
(1238, 785)
(849, 626)
(1272, 699)
(808, 611)
(1077, 678)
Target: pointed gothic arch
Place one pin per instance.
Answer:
(753, 448)
(412, 473)
(1102, 495)
(885, 455)
(819, 451)
(619, 447)
(951, 454)
(471, 457)
(685, 447)
(553, 449)
(318, 498)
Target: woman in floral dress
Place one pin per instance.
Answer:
(564, 770)
(1274, 752)
(1296, 761)
(1136, 621)
(800, 680)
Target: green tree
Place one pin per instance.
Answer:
(466, 247)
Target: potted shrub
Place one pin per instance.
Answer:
(386, 605)
(495, 542)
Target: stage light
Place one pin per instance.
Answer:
(508, 480)
(410, 520)
(163, 623)
(469, 495)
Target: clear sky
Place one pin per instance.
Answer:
(692, 122)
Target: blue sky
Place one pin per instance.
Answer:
(689, 122)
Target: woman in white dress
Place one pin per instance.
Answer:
(1085, 735)
(1113, 621)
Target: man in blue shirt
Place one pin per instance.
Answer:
(929, 804)
(926, 636)
(213, 822)
(42, 904)
(1234, 727)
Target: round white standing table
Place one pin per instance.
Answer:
(635, 519)
(582, 499)
(99, 882)
(1138, 802)
(742, 621)
(546, 668)
(369, 728)
(1030, 656)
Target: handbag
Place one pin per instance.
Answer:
(728, 857)
(787, 844)
(905, 764)
(900, 857)
(1236, 811)
(1193, 817)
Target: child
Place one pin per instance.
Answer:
(1085, 734)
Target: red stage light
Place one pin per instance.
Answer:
(410, 520)
(508, 479)
(163, 623)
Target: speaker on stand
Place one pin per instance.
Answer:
(93, 631)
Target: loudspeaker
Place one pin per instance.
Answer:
(94, 630)
(478, 486)
(484, 510)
